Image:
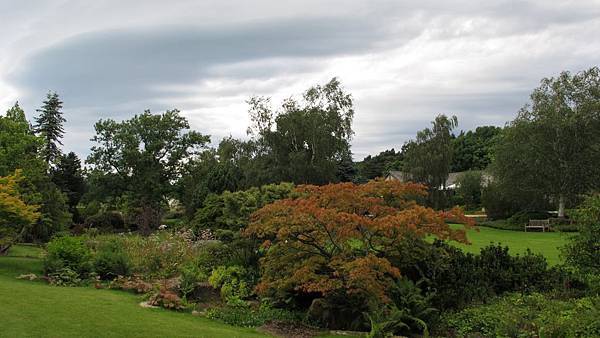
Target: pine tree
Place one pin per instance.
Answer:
(68, 177)
(49, 125)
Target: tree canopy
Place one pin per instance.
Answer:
(429, 156)
(551, 148)
(333, 240)
(306, 140)
(141, 159)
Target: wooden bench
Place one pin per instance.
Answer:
(543, 224)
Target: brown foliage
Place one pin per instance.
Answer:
(335, 238)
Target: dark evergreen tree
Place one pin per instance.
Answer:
(68, 176)
(49, 125)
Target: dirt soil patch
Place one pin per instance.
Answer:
(289, 329)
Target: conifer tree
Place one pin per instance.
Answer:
(49, 125)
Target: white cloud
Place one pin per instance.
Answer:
(403, 61)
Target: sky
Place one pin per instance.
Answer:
(404, 62)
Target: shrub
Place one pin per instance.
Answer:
(106, 220)
(167, 299)
(533, 315)
(111, 260)
(247, 317)
(523, 217)
(455, 279)
(583, 249)
(68, 252)
(213, 254)
(333, 242)
(233, 281)
(64, 277)
(190, 277)
(231, 210)
(160, 255)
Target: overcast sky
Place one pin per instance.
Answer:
(403, 61)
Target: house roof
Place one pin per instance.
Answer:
(403, 176)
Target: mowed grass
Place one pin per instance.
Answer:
(545, 243)
(35, 309)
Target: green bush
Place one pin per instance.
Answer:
(523, 217)
(64, 277)
(534, 315)
(191, 276)
(583, 250)
(233, 281)
(247, 317)
(111, 260)
(106, 220)
(213, 254)
(458, 279)
(67, 252)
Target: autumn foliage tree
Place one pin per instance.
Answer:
(15, 214)
(333, 241)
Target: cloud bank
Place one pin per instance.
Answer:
(404, 62)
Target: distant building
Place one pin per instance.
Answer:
(451, 182)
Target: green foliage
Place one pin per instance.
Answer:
(15, 214)
(244, 316)
(469, 187)
(141, 158)
(110, 260)
(68, 177)
(68, 252)
(429, 156)
(455, 279)
(306, 140)
(473, 150)
(550, 149)
(232, 210)
(49, 126)
(411, 307)
(18, 144)
(106, 221)
(534, 315)
(379, 165)
(233, 281)
(583, 250)
(190, 277)
(65, 277)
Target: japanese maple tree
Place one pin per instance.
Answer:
(334, 239)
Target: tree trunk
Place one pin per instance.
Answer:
(4, 249)
(561, 206)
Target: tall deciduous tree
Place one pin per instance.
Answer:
(552, 147)
(19, 149)
(143, 157)
(49, 125)
(307, 139)
(428, 158)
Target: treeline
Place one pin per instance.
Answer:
(152, 164)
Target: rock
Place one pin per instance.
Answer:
(29, 276)
(148, 306)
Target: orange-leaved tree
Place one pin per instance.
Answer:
(15, 214)
(333, 240)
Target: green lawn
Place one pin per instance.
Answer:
(35, 309)
(546, 243)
